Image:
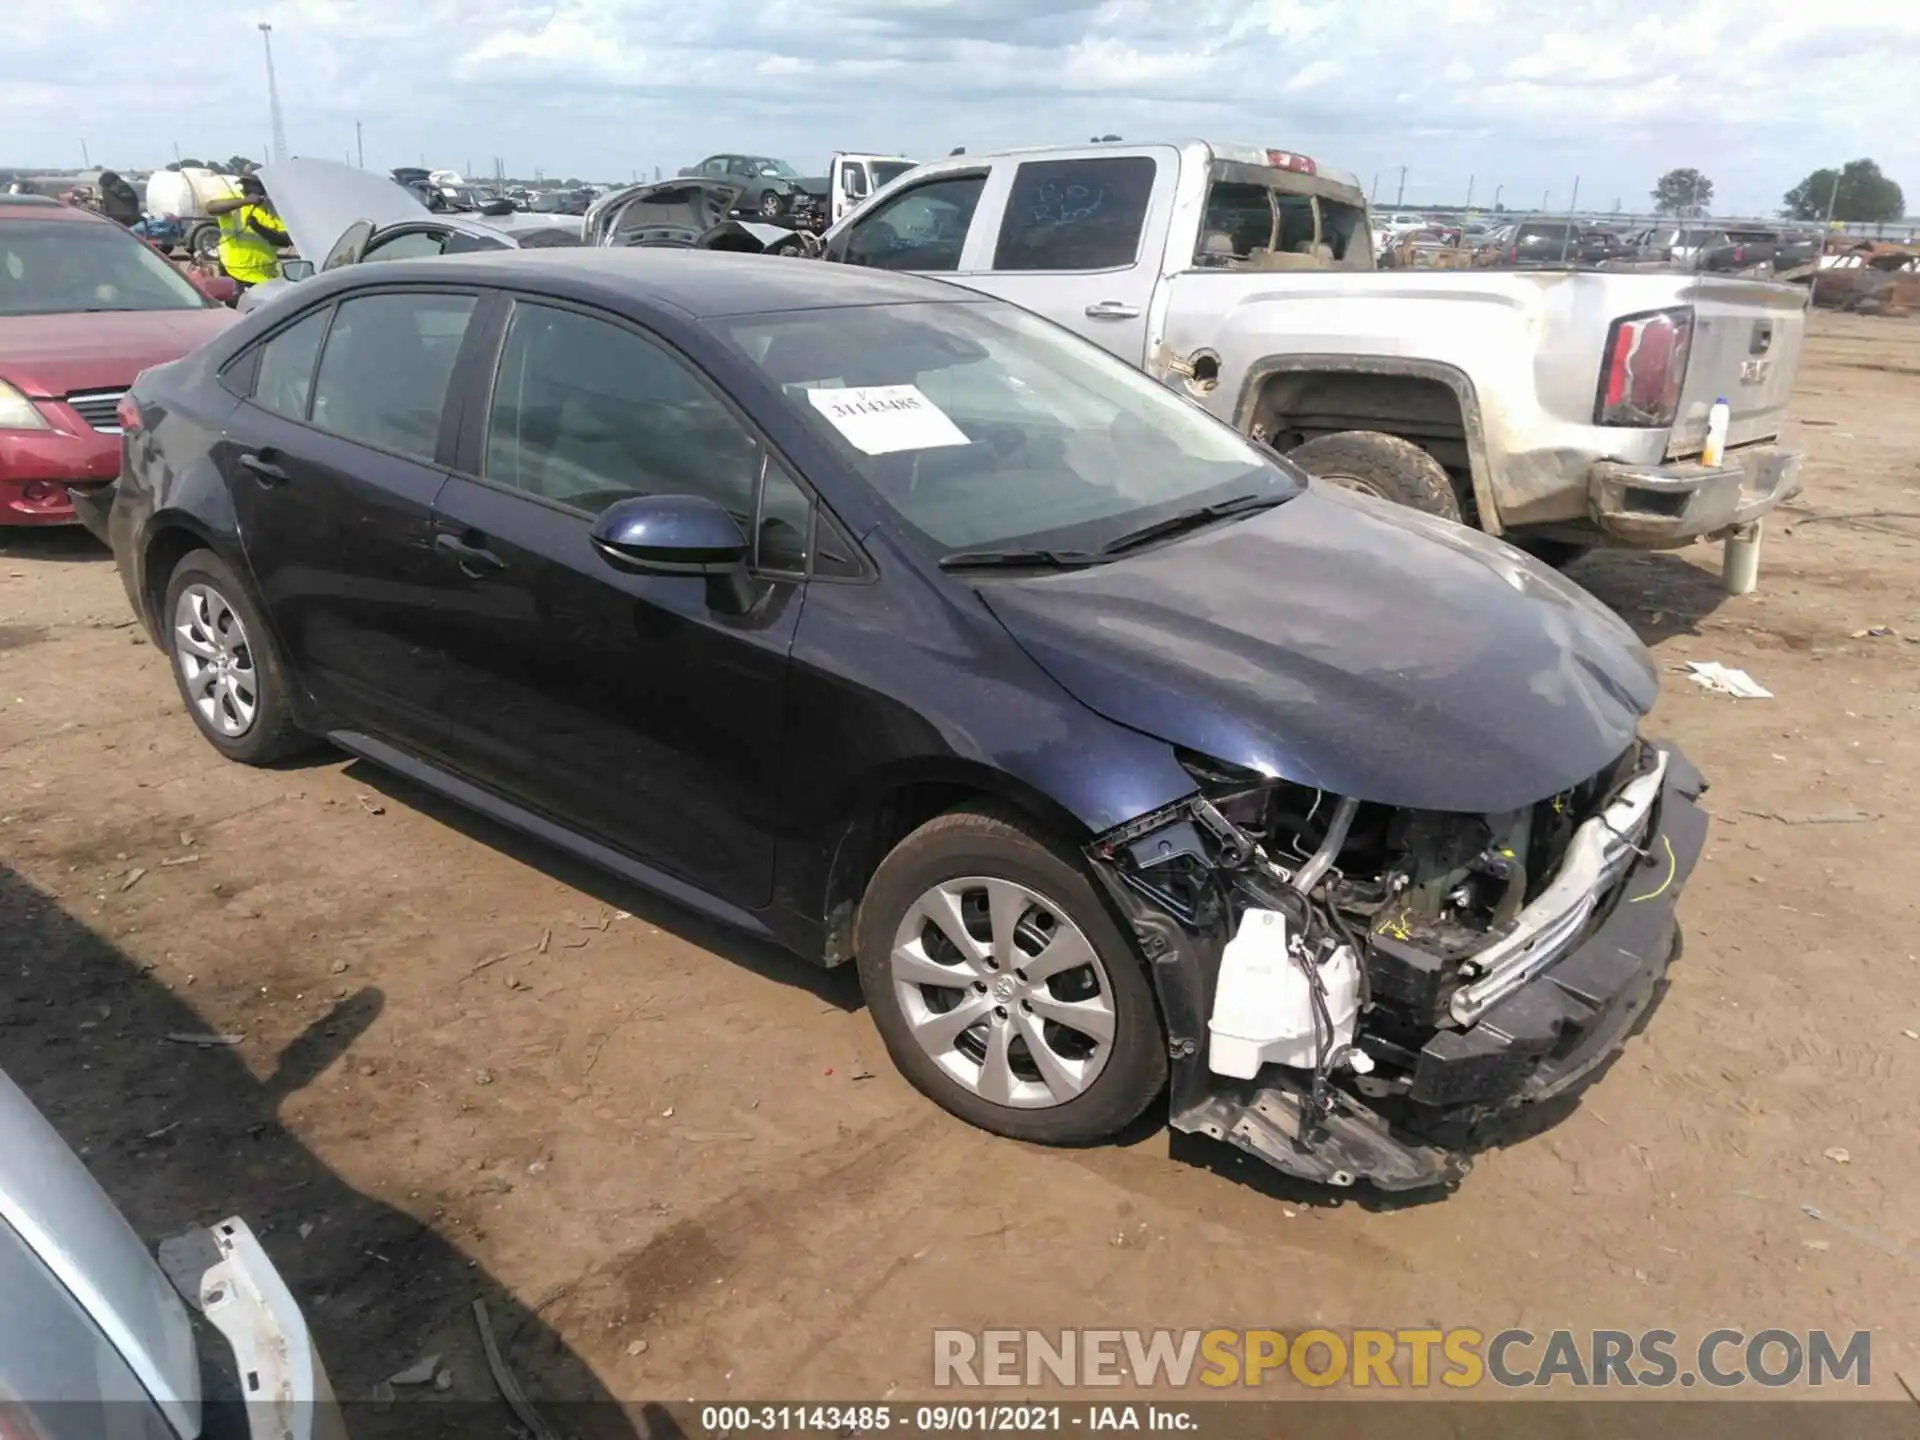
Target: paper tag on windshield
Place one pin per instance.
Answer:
(882, 419)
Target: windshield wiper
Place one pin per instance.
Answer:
(1192, 520)
(1019, 559)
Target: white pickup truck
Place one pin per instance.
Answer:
(1561, 408)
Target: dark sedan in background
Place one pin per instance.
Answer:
(904, 627)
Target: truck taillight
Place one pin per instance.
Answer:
(127, 412)
(1287, 160)
(1645, 365)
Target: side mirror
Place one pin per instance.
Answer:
(296, 269)
(678, 535)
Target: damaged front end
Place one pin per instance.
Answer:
(1356, 992)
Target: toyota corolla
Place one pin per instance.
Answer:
(897, 624)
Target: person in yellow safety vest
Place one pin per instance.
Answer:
(251, 235)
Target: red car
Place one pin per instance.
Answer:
(84, 307)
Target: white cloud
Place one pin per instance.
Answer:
(1524, 94)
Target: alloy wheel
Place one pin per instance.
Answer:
(1004, 992)
(216, 661)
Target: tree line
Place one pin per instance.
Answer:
(1857, 192)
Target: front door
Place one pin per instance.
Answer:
(623, 706)
(332, 465)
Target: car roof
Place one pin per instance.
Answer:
(43, 207)
(700, 283)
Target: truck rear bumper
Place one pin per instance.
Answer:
(1659, 506)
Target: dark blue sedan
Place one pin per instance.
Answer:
(908, 629)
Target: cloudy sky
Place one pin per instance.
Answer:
(1520, 94)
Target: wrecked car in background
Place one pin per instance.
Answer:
(339, 215)
(1875, 278)
(1113, 751)
(1560, 408)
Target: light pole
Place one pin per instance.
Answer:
(359, 145)
(1470, 180)
(1400, 198)
(273, 97)
(1373, 190)
(1496, 195)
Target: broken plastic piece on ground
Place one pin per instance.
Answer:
(1724, 680)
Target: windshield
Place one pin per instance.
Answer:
(985, 427)
(778, 168)
(545, 204)
(885, 172)
(57, 267)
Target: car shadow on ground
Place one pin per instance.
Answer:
(1660, 593)
(838, 986)
(181, 1134)
(52, 545)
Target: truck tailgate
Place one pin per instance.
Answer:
(1746, 350)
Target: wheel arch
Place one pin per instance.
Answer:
(1427, 402)
(168, 539)
(888, 806)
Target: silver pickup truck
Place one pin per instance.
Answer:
(1559, 408)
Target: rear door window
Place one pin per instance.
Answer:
(1083, 214)
(384, 374)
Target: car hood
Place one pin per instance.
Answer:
(318, 199)
(60, 354)
(691, 206)
(1349, 644)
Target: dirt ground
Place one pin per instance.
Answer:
(678, 1164)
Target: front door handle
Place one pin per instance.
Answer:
(475, 561)
(263, 469)
(1112, 310)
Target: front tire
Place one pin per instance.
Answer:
(772, 205)
(1004, 990)
(1376, 463)
(224, 661)
(203, 243)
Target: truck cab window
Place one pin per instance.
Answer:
(1075, 214)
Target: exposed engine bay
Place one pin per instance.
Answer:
(1356, 991)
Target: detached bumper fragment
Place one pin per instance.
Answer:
(1675, 504)
(222, 1272)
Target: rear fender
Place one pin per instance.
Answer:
(1263, 373)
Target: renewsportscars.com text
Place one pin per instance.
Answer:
(1456, 1359)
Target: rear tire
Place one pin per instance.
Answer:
(203, 243)
(224, 660)
(1376, 463)
(1043, 1027)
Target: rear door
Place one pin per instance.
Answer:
(621, 705)
(1079, 238)
(1746, 350)
(333, 463)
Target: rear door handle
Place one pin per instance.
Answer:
(1112, 310)
(475, 561)
(262, 468)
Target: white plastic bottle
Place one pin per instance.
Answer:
(1718, 419)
